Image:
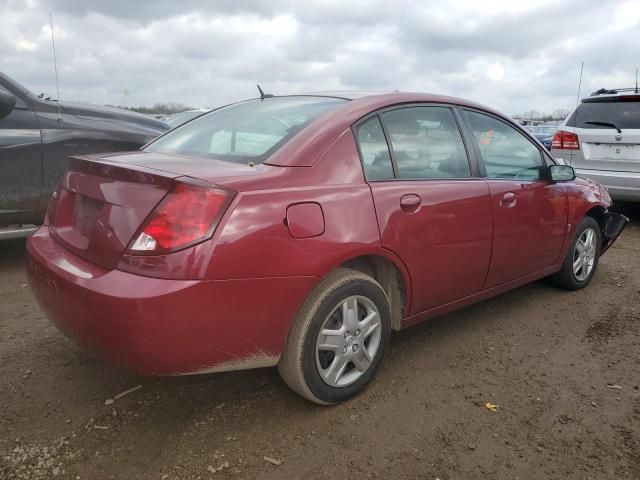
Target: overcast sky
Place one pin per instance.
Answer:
(515, 56)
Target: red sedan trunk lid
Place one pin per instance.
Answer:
(100, 206)
(103, 200)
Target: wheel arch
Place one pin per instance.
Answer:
(391, 275)
(597, 213)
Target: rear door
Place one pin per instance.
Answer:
(529, 212)
(431, 210)
(20, 163)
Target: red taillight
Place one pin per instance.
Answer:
(565, 141)
(187, 215)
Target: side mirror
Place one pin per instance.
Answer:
(7, 104)
(561, 173)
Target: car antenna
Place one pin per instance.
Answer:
(262, 94)
(55, 67)
(636, 81)
(575, 122)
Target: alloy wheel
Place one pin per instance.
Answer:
(584, 254)
(348, 341)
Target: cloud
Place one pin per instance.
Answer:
(514, 57)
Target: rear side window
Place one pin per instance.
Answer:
(374, 150)
(506, 153)
(622, 111)
(426, 143)
(245, 132)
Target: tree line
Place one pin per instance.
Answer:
(559, 114)
(158, 108)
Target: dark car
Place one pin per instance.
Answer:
(544, 133)
(37, 135)
(300, 231)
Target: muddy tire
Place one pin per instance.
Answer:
(339, 338)
(582, 257)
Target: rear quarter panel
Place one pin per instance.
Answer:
(254, 241)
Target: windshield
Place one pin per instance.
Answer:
(622, 111)
(245, 132)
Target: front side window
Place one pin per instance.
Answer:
(374, 150)
(506, 153)
(245, 132)
(426, 143)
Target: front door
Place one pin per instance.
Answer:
(431, 212)
(530, 212)
(20, 163)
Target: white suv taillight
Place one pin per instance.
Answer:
(565, 141)
(187, 215)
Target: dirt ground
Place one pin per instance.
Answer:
(563, 368)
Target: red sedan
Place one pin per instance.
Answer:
(298, 231)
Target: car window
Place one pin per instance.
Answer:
(374, 150)
(426, 143)
(506, 152)
(245, 132)
(623, 111)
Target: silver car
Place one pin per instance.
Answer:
(601, 140)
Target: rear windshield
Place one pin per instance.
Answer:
(624, 112)
(245, 132)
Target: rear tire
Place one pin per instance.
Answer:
(582, 258)
(339, 338)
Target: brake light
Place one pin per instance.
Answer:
(188, 215)
(565, 141)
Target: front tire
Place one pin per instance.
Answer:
(582, 258)
(339, 338)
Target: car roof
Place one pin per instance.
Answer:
(344, 94)
(382, 99)
(329, 127)
(614, 92)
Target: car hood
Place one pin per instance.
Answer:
(89, 111)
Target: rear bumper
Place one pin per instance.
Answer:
(163, 327)
(624, 186)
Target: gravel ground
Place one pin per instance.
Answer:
(562, 367)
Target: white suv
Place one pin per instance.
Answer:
(601, 140)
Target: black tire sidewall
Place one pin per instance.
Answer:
(312, 377)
